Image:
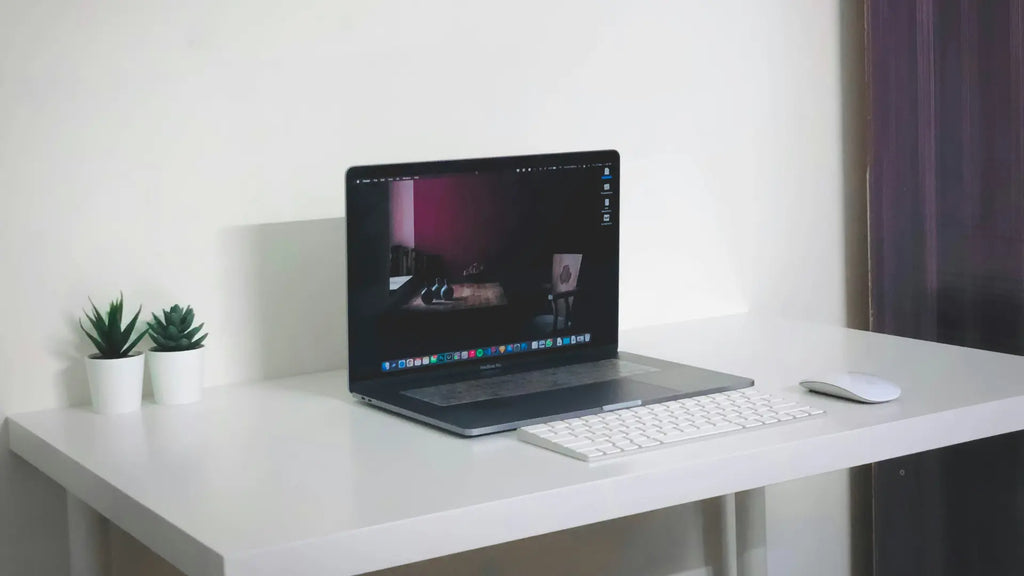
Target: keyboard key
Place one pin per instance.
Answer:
(575, 441)
(592, 445)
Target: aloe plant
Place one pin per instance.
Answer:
(175, 332)
(111, 340)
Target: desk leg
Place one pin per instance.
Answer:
(743, 534)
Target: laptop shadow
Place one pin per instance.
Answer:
(288, 311)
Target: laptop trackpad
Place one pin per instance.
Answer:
(611, 395)
(620, 393)
(572, 376)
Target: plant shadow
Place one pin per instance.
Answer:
(71, 353)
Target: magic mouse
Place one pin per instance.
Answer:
(855, 386)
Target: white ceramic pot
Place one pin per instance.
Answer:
(115, 384)
(177, 377)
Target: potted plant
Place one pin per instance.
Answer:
(114, 371)
(176, 360)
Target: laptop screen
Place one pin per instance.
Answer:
(481, 263)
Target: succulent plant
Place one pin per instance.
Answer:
(175, 332)
(111, 340)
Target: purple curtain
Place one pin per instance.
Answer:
(947, 170)
(946, 225)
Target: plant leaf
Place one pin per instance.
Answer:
(126, 334)
(187, 318)
(134, 343)
(99, 326)
(97, 322)
(95, 341)
(192, 333)
(114, 322)
(161, 342)
(199, 342)
(175, 316)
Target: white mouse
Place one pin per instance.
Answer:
(855, 386)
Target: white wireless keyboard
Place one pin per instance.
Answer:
(632, 430)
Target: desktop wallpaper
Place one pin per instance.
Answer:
(467, 263)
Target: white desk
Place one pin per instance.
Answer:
(293, 477)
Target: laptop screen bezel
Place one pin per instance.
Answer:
(508, 364)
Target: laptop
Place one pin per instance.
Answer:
(483, 294)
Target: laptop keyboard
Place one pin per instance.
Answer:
(527, 382)
(643, 428)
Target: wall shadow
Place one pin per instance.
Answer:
(856, 112)
(861, 521)
(286, 297)
(71, 354)
(855, 116)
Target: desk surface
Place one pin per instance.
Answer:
(293, 477)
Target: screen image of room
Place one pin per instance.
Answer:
(458, 243)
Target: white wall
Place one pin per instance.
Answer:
(195, 151)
